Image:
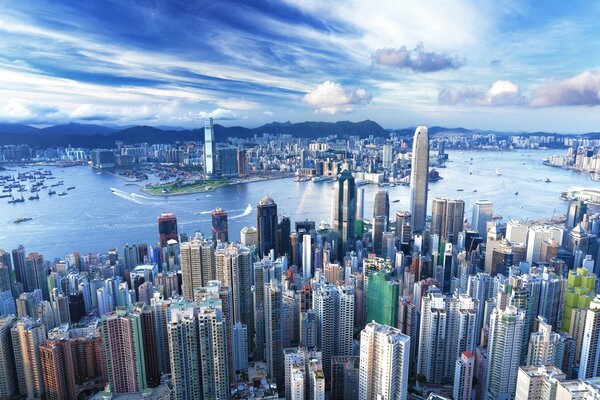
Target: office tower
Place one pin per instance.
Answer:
(384, 361)
(360, 204)
(234, 270)
(228, 161)
(578, 295)
(381, 216)
(516, 231)
(27, 305)
(36, 275)
(8, 371)
(58, 370)
(481, 287)
(266, 221)
(543, 345)
(345, 372)
(291, 315)
(403, 229)
(577, 209)
(130, 256)
(167, 228)
(418, 178)
(209, 148)
(27, 335)
(184, 352)
(198, 265)
(294, 249)
(220, 231)
(265, 271)
(334, 311)
(242, 164)
(344, 213)
(18, 261)
(551, 297)
(589, 364)
(504, 352)
(536, 235)
(283, 236)
(483, 212)
(388, 156)
(565, 354)
(273, 336)
(239, 342)
(463, 376)
(382, 298)
(501, 254)
(447, 217)
(249, 236)
(123, 343)
(306, 257)
(538, 383)
(213, 350)
(447, 329)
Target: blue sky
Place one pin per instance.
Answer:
(510, 65)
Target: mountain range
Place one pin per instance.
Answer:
(97, 136)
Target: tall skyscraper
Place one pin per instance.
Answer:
(344, 213)
(228, 161)
(213, 350)
(220, 230)
(8, 371)
(273, 334)
(388, 156)
(504, 352)
(184, 351)
(543, 345)
(463, 376)
(306, 257)
(242, 163)
(209, 148)
(447, 218)
(123, 343)
(57, 370)
(384, 363)
(483, 212)
(381, 217)
(27, 335)
(167, 228)
(267, 223)
(36, 276)
(360, 204)
(249, 236)
(283, 236)
(382, 298)
(198, 265)
(18, 259)
(589, 364)
(577, 209)
(418, 178)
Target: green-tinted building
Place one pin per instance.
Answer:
(382, 298)
(580, 292)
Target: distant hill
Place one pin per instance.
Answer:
(96, 136)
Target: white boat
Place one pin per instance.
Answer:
(498, 171)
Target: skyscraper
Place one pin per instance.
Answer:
(384, 363)
(228, 161)
(589, 364)
(306, 257)
(123, 343)
(167, 228)
(504, 352)
(213, 350)
(388, 156)
(447, 218)
(197, 260)
(483, 211)
(463, 376)
(8, 372)
(27, 335)
(267, 223)
(381, 217)
(273, 334)
(209, 148)
(57, 369)
(219, 225)
(344, 213)
(543, 345)
(418, 178)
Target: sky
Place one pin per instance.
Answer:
(509, 65)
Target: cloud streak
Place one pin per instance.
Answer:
(500, 93)
(580, 90)
(417, 59)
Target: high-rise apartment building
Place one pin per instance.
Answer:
(543, 345)
(381, 217)
(27, 336)
(463, 376)
(418, 178)
(198, 265)
(213, 350)
(58, 371)
(589, 364)
(184, 352)
(384, 363)
(447, 218)
(267, 223)
(8, 373)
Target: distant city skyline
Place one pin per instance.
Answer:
(510, 66)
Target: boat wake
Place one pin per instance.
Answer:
(247, 211)
(124, 195)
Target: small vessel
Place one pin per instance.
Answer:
(396, 201)
(35, 197)
(460, 190)
(3, 196)
(498, 171)
(475, 191)
(22, 219)
(51, 192)
(71, 188)
(516, 193)
(547, 180)
(165, 191)
(62, 194)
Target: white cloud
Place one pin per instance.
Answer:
(20, 110)
(582, 89)
(417, 59)
(501, 93)
(219, 114)
(332, 98)
(238, 104)
(88, 112)
(269, 113)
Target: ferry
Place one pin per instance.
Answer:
(19, 200)
(62, 194)
(547, 180)
(51, 192)
(71, 188)
(36, 197)
(498, 171)
(22, 219)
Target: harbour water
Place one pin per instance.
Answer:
(105, 211)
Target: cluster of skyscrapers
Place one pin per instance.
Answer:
(366, 308)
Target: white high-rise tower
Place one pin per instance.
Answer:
(418, 178)
(209, 147)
